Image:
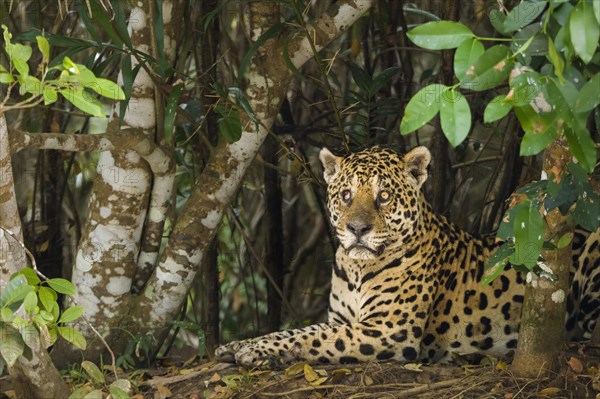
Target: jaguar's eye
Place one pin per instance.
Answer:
(383, 197)
(346, 196)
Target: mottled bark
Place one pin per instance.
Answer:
(34, 378)
(542, 332)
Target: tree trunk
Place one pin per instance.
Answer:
(542, 332)
(35, 377)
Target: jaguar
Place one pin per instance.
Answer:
(406, 282)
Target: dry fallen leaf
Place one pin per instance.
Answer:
(215, 378)
(549, 391)
(575, 364)
(309, 373)
(295, 370)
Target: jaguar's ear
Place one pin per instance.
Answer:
(417, 161)
(331, 164)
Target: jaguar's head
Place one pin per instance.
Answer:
(374, 197)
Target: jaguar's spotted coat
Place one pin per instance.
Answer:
(406, 282)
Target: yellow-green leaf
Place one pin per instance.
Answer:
(44, 47)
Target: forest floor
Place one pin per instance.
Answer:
(577, 378)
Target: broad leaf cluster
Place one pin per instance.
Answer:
(30, 316)
(75, 82)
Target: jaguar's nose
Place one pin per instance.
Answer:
(359, 229)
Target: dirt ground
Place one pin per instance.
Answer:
(577, 378)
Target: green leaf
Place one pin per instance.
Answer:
(582, 146)
(118, 393)
(587, 211)
(73, 336)
(455, 116)
(465, 56)
(230, 126)
(534, 143)
(497, 262)
(596, 6)
(421, 108)
(31, 84)
(44, 47)
(106, 88)
(14, 291)
(30, 302)
(496, 109)
(361, 77)
(6, 77)
(30, 275)
(50, 95)
(70, 66)
(95, 394)
(529, 236)
(556, 60)
(62, 286)
(589, 95)
(564, 240)
(490, 70)
(84, 101)
(497, 19)
(19, 55)
(523, 14)
(382, 79)
(93, 371)
(439, 35)
(47, 297)
(11, 344)
(526, 88)
(585, 31)
(6, 314)
(71, 314)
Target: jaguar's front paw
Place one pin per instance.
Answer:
(265, 354)
(226, 353)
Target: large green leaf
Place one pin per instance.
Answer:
(555, 58)
(466, 54)
(14, 291)
(71, 314)
(525, 88)
(47, 297)
(11, 344)
(439, 35)
(585, 31)
(421, 108)
(540, 130)
(84, 101)
(106, 88)
(496, 109)
(589, 95)
(523, 14)
(230, 126)
(582, 146)
(73, 336)
(489, 70)
(93, 371)
(455, 116)
(62, 286)
(529, 236)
